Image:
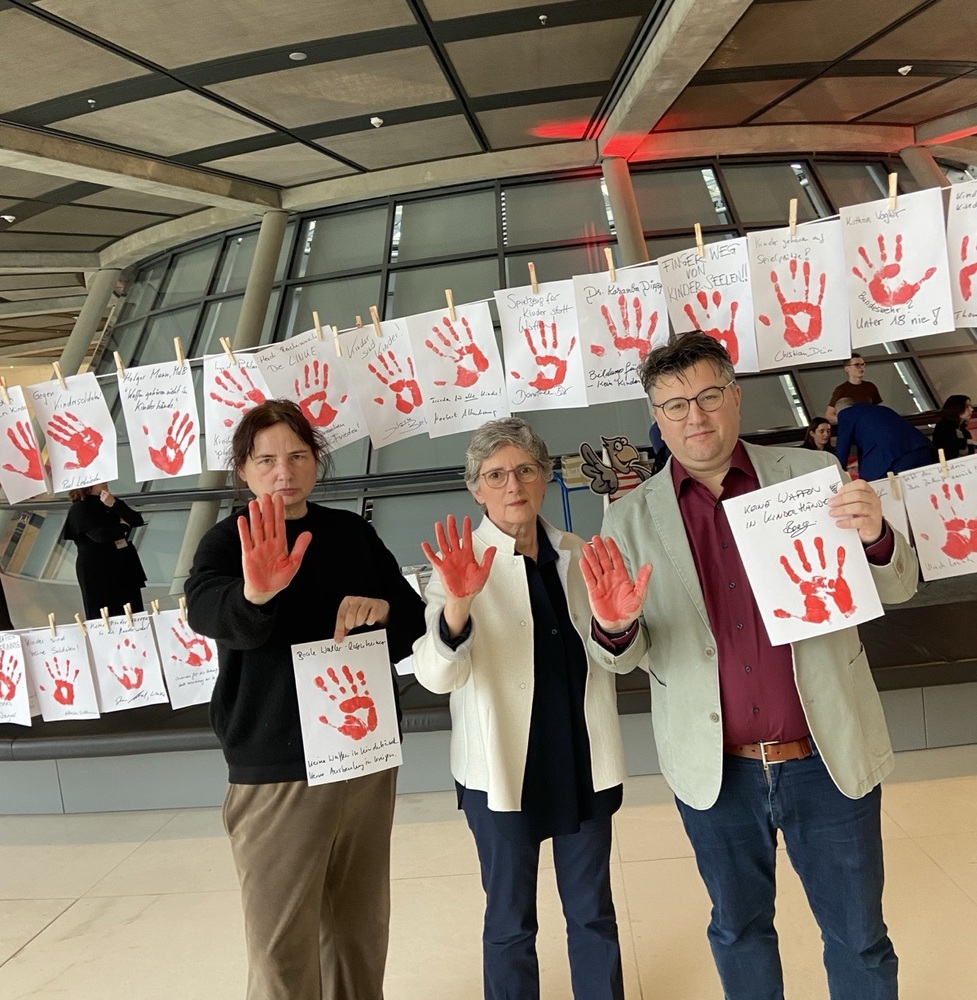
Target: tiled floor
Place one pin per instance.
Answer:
(144, 905)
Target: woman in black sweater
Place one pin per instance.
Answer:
(313, 861)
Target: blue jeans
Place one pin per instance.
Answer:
(510, 969)
(835, 846)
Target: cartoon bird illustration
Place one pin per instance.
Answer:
(623, 457)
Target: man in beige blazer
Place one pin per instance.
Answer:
(752, 738)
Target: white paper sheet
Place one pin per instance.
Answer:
(189, 659)
(346, 706)
(809, 576)
(230, 391)
(15, 704)
(961, 238)
(60, 673)
(21, 466)
(893, 507)
(125, 663)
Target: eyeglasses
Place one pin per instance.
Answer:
(495, 479)
(708, 400)
(856, 364)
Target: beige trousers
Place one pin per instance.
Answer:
(314, 868)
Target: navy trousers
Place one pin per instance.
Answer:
(509, 874)
(835, 846)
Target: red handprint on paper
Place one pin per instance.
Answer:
(459, 350)
(802, 317)
(355, 700)
(130, 681)
(961, 533)
(393, 378)
(879, 287)
(23, 440)
(64, 681)
(10, 676)
(84, 441)
(312, 401)
(628, 340)
(726, 336)
(239, 392)
(179, 438)
(818, 586)
(967, 271)
(191, 642)
(553, 362)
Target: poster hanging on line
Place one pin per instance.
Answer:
(712, 293)
(800, 295)
(384, 378)
(79, 430)
(189, 659)
(346, 707)
(231, 389)
(309, 372)
(961, 238)
(808, 575)
(943, 515)
(22, 473)
(893, 505)
(898, 272)
(620, 322)
(60, 672)
(160, 410)
(15, 706)
(125, 663)
(540, 341)
(459, 368)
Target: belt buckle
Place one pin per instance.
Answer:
(763, 753)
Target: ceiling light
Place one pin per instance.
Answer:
(905, 70)
(8, 218)
(376, 121)
(297, 56)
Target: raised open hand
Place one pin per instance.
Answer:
(84, 441)
(23, 440)
(457, 350)
(461, 573)
(615, 599)
(179, 437)
(268, 566)
(882, 284)
(708, 324)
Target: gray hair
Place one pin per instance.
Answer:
(682, 353)
(496, 434)
(843, 403)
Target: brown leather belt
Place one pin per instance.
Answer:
(772, 753)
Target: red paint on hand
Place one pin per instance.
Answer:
(802, 318)
(23, 440)
(725, 335)
(460, 571)
(406, 390)
(268, 566)
(457, 350)
(881, 285)
(179, 437)
(355, 699)
(312, 397)
(84, 441)
(818, 586)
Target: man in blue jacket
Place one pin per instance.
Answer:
(886, 442)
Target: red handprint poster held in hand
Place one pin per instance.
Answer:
(726, 335)
(23, 440)
(550, 360)
(623, 337)
(885, 282)
(802, 318)
(818, 586)
(180, 436)
(357, 707)
(72, 434)
(961, 531)
(406, 390)
(467, 357)
(312, 395)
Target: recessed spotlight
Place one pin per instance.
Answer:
(91, 102)
(297, 56)
(905, 70)
(8, 218)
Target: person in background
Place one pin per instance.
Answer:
(856, 388)
(817, 437)
(535, 740)
(107, 565)
(886, 442)
(951, 432)
(313, 860)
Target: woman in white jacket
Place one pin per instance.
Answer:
(535, 744)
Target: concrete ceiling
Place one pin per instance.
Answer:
(129, 127)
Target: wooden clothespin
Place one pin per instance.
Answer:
(359, 322)
(335, 340)
(226, 344)
(375, 316)
(450, 299)
(894, 486)
(59, 375)
(699, 246)
(183, 607)
(792, 217)
(155, 606)
(119, 364)
(3, 390)
(318, 325)
(105, 618)
(181, 358)
(127, 608)
(50, 621)
(893, 190)
(532, 278)
(609, 257)
(944, 468)
(81, 624)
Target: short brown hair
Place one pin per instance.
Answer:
(268, 414)
(682, 353)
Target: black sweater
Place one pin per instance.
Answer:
(254, 709)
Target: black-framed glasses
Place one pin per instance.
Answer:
(495, 479)
(677, 408)
(856, 364)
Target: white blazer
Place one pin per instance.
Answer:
(490, 676)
